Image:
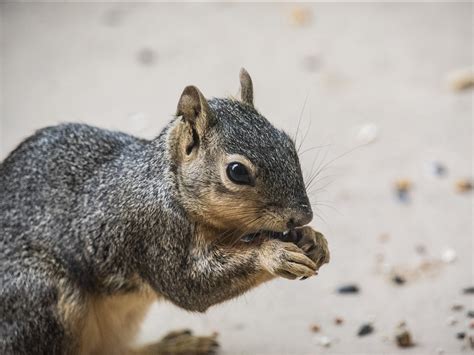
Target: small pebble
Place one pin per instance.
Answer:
(367, 133)
(365, 329)
(300, 16)
(420, 249)
(463, 185)
(470, 314)
(457, 307)
(460, 79)
(468, 290)
(324, 341)
(348, 289)
(314, 328)
(403, 184)
(403, 337)
(451, 320)
(437, 169)
(403, 195)
(311, 63)
(402, 188)
(146, 57)
(449, 256)
(471, 324)
(338, 321)
(461, 335)
(399, 280)
(439, 351)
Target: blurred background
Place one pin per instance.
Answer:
(381, 94)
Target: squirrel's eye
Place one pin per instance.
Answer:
(238, 174)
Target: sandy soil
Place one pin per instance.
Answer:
(123, 66)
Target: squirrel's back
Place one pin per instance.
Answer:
(65, 154)
(53, 166)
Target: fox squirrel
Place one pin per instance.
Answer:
(96, 225)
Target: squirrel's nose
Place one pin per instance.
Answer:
(303, 216)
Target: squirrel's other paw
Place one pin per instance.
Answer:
(314, 245)
(286, 260)
(183, 342)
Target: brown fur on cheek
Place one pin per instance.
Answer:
(229, 211)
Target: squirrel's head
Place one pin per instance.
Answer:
(235, 170)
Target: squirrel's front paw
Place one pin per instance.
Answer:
(314, 245)
(286, 260)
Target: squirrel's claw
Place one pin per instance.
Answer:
(286, 260)
(314, 244)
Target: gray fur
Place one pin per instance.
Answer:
(91, 208)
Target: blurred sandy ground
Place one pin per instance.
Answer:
(123, 66)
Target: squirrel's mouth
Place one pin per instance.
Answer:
(289, 235)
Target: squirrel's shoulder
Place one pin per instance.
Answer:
(83, 134)
(66, 154)
(72, 141)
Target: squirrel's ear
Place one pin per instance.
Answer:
(193, 107)
(246, 87)
(190, 104)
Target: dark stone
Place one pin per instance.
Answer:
(348, 289)
(365, 329)
(399, 280)
(403, 196)
(438, 169)
(468, 290)
(403, 339)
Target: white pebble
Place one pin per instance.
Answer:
(323, 341)
(451, 320)
(449, 256)
(367, 133)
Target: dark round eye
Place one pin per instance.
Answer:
(238, 174)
